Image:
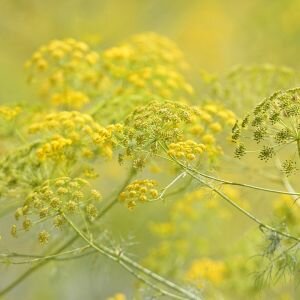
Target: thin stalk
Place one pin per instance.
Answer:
(68, 243)
(120, 257)
(227, 181)
(245, 212)
(39, 258)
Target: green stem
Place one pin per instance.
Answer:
(185, 167)
(245, 212)
(242, 184)
(36, 258)
(191, 171)
(23, 276)
(120, 257)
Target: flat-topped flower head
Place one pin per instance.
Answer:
(71, 133)
(157, 122)
(154, 47)
(181, 130)
(148, 64)
(66, 72)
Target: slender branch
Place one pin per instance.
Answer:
(23, 276)
(227, 181)
(120, 257)
(68, 243)
(245, 212)
(149, 283)
(164, 190)
(191, 172)
(291, 193)
(39, 258)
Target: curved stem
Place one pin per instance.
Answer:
(120, 257)
(292, 193)
(68, 243)
(36, 258)
(245, 212)
(149, 283)
(232, 203)
(227, 181)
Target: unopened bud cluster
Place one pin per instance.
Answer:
(273, 125)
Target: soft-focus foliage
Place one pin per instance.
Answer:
(149, 150)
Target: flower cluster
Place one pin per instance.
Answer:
(19, 169)
(273, 124)
(206, 269)
(187, 150)
(212, 120)
(9, 113)
(139, 191)
(54, 148)
(70, 98)
(158, 122)
(54, 199)
(161, 124)
(158, 49)
(244, 84)
(73, 134)
(8, 122)
(149, 64)
(151, 46)
(67, 72)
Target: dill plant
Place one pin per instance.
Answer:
(133, 104)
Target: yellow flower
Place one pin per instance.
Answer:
(139, 191)
(206, 269)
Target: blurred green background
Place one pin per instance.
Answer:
(214, 35)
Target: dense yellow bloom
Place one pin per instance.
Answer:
(213, 118)
(9, 113)
(160, 122)
(139, 191)
(206, 269)
(188, 150)
(66, 72)
(160, 76)
(54, 148)
(70, 98)
(75, 131)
